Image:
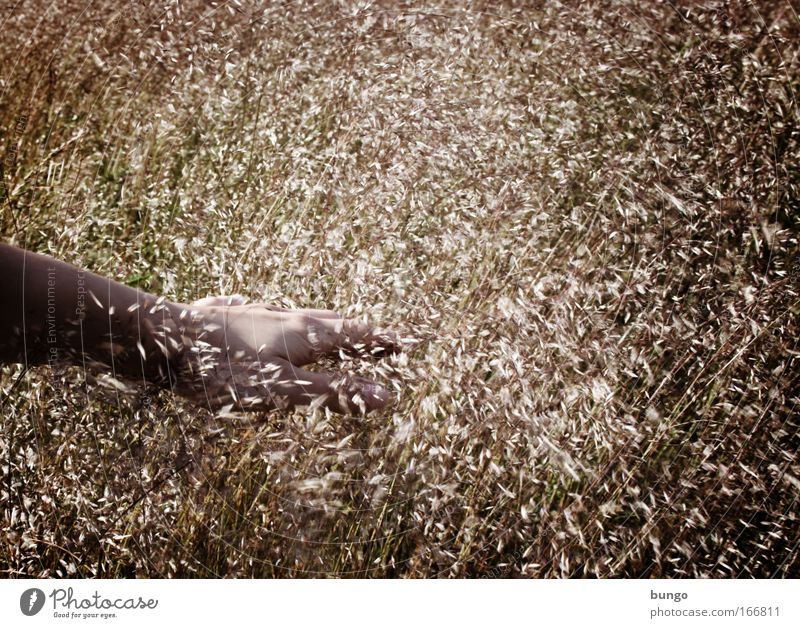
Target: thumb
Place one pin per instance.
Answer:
(278, 383)
(339, 392)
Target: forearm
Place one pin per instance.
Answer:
(54, 312)
(221, 355)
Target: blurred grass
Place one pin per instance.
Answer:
(588, 214)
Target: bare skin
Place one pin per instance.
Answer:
(218, 352)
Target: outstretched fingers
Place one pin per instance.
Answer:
(239, 300)
(281, 384)
(250, 357)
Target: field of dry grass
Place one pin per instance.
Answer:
(585, 213)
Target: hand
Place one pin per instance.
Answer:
(249, 357)
(218, 351)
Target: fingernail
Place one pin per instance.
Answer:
(374, 393)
